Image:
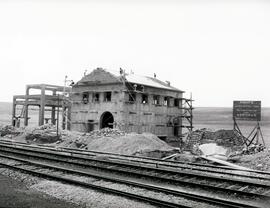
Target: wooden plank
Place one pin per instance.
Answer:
(222, 162)
(170, 156)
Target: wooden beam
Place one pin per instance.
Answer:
(222, 162)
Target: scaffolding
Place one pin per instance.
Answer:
(187, 115)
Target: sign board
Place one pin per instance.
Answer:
(247, 110)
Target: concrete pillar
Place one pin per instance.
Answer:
(53, 111)
(13, 112)
(64, 117)
(53, 115)
(26, 106)
(42, 106)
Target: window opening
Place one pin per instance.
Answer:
(96, 97)
(144, 99)
(85, 97)
(107, 96)
(176, 130)
(166, 101)
(176, 102)
(156, 100)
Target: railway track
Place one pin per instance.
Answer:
(253, 191)
(153, 161)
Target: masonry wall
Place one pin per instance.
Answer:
(130, 116)
(150, 117)
(82, 112)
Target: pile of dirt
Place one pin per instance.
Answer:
(129, 144)
(114, 141)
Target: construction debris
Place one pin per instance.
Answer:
(221, 137)
(258, 161)
(170, 156)
(215, 146)
(214, 150)
(221, 162)
(106, 132)
(9, 130)
(43, 134)
(231, 140)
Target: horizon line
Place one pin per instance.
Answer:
(192, 106)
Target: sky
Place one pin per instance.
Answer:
(217, 50)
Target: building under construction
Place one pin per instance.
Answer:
(128, 102)
(49, 98)
(111, 99)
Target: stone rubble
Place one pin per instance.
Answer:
(146, 144)
(229, 139)
(9, 130)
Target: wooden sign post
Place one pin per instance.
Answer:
(248, 111)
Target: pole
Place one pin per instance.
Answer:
(258, 131)
(261, 135)
(191, 113)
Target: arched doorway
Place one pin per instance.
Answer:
(106, 120)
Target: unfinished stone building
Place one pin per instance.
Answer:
(128, 102)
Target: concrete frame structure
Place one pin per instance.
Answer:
(42, 100)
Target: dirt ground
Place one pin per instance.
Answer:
(15, 194)
(19, 190)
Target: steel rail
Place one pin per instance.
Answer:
(152, 201)
(172, 171)
(133, 158)
(161, 163)
(204, 186)
(199, 198)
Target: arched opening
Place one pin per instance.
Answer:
(106, 120)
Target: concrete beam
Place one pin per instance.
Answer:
(49, 87)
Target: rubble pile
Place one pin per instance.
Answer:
(223, 144)
(226, 138)
(9, 130)
(105, 133)
(258, 161)
(107, 140)
(253, 149)
(73, 139)
(42, 134)
(192, 140)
